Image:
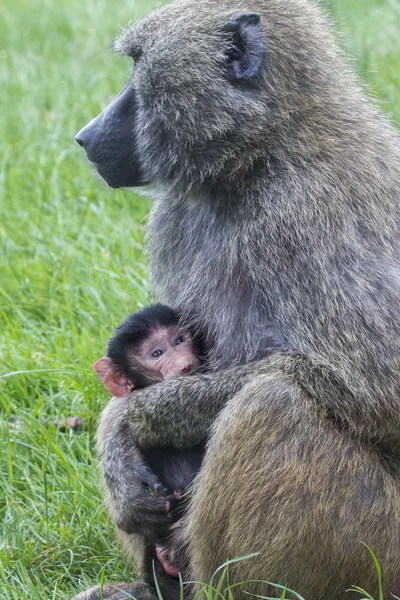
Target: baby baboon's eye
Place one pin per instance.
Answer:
(157, 353)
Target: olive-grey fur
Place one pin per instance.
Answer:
(276, 228)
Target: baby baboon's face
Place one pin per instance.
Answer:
(167, 352)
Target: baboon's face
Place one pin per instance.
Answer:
(194, 85)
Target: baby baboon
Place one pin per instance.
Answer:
(147, 348)
(278, 204)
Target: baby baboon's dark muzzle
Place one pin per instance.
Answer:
(110, 144)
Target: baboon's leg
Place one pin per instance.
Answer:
(282, 480)
(119, 591)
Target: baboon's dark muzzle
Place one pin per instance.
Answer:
(110, 143)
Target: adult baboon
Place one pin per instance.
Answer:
(277, 185)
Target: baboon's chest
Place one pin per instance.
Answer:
(204, 266)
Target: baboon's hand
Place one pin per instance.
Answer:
(146, 507)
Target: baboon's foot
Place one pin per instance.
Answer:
(118, 591)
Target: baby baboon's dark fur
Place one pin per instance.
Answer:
(276, 227)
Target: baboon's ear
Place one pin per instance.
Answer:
(244, 57)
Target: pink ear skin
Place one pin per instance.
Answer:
(117, 384)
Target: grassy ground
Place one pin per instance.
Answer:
(71, 267)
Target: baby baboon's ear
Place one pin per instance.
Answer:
(247, 50)
(118, 385)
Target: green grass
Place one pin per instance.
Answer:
(71, 267)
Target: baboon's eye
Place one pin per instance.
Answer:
(157, 353)
(136, 54)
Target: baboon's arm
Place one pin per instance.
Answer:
(180, 412)
(134, 495)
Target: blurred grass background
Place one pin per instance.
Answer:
(71, 267)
